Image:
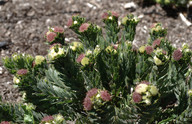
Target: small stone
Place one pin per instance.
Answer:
(1, 70)
(130, 5)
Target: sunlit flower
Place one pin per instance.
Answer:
(157, 61)
(141, 88)
(70, 22)
(149, 50)
(84, 27)
(80, 57)
(136, 97)
(92, 92)
(58, 29)
(16, 80)
(85, 61)
(51, 36)
(87, 104)
(105, 95)
(22, 72)
(53, 54)
(147, 101)
(177, 55)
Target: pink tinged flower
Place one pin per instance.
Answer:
(5, 122)
(115, 14)
(153, 25)
(105, 15)
(22, 72)
(105, 96)
(92, 92)
(84, 27)
(149, 50)
(157, 43)
(87, 104)
(144, 82)
(55, 45)
(47, 119)
(58, 29)
(177, 55)
(164, 52)
(70, 22)
(136, 97)
(51, 36)
(115, 46)
(80, 57)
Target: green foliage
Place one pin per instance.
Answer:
(176, 3)
(103, 79)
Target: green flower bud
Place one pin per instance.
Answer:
(124, 20)
(97, 50)
(39, 59)
(185, 46)
(110, 49)
(190, 92)
(16, 80)
(157, 61)
(142, 49)
(153, 90)
(85, 61)
(76, 46)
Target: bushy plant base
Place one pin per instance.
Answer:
(102, 79)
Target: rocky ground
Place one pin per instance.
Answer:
(24, 22)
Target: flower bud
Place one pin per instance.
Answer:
(85, 61)
(147, 101)
(39, 59)
(124, 20)
(157, 61)
(88, 53)
(153, 90)
(5, 122)
(136, 97)
(177, 55)
(16, 80)
(142, 49)
(190, 92)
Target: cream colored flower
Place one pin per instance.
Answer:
(39, 59)
(16, 80)
(52, 54)
(141, 88)
(148, 101)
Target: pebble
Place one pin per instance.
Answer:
(130, 5)
(1, 70)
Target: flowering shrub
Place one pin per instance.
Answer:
(102, 78)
